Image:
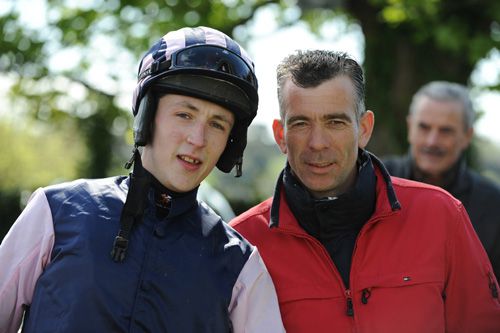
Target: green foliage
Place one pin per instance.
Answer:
(317, 17)
(37, 158)
(395, 12)
(457, 26)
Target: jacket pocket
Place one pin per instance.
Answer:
(410, 301)
(400, 279)
(318, 308)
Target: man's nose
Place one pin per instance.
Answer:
(432, 138)
(197, 135)
(318, 138)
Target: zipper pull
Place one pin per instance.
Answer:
(365, 294)
(350, 309)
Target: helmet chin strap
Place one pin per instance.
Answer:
(134, 206)
(239, 166)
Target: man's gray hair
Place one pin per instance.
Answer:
(448, 92)
(311, 68)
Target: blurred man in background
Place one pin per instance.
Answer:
(440, 129)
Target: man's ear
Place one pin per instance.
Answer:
(366, 124)
(279, 135)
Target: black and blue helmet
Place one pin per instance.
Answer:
(204, 63)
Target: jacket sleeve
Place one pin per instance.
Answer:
(471, 296)
(24, 253)
(254, 305)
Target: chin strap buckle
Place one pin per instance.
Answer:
(239, 167)
(119, 249)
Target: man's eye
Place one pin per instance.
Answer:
(336, 122)
(297, 124)
(423, 128)
(447, 131)
(183, 115)
(218, 126)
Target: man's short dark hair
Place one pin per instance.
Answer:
(308, 69)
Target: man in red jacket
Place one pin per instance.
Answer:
(349, 248)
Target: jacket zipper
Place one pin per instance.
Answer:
(347, 292)
(350, 309)
(366, 293)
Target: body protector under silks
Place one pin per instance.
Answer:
(197, 62)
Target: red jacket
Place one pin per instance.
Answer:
(416, 268)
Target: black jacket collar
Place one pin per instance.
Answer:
(168, 202)
(395, 205)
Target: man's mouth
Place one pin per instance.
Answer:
(320, 164)
(433, 152)
(190, 160)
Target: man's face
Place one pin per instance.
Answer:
(321, 136)
(190, 135)
(437, 135)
